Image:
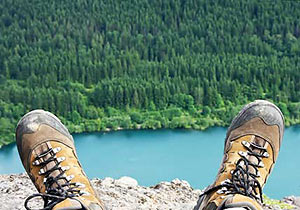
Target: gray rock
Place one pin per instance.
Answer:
(126, 181)
(107, 181)
(293, 200)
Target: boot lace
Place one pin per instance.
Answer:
(55, 191)
(243, 181)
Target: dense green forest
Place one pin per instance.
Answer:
(115, 64)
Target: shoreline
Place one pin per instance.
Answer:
(107, 130)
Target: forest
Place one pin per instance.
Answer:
(119, 64)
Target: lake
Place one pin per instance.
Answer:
(162, 155)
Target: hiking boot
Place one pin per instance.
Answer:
(251, 148)
(49, 157)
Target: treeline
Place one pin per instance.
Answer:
(147, 64)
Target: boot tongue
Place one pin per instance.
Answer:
(68, 204)
(41, 149)
(260, 142)
(241, 201)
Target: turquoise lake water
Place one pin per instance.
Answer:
(162, 155)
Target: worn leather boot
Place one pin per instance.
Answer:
(49, 157)
(251, 148)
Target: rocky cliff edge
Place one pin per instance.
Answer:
(125, 194)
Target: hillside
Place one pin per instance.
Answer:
(146, 64)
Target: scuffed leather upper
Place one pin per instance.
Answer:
(260, 123)
(38, 132)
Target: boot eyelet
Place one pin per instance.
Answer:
(246, 144)
(84, 193)
(56, 150)
(243, 154)
(60, 159)
(266, 155)
(65, 168)
(220, 192)
(36, 163)
(261, 164)
(69, 178)
(41, 171)
(80, 185)
(226, 181)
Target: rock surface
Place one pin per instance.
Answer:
(121, 194)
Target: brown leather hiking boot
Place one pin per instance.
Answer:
(251, 148)
(49, 157)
